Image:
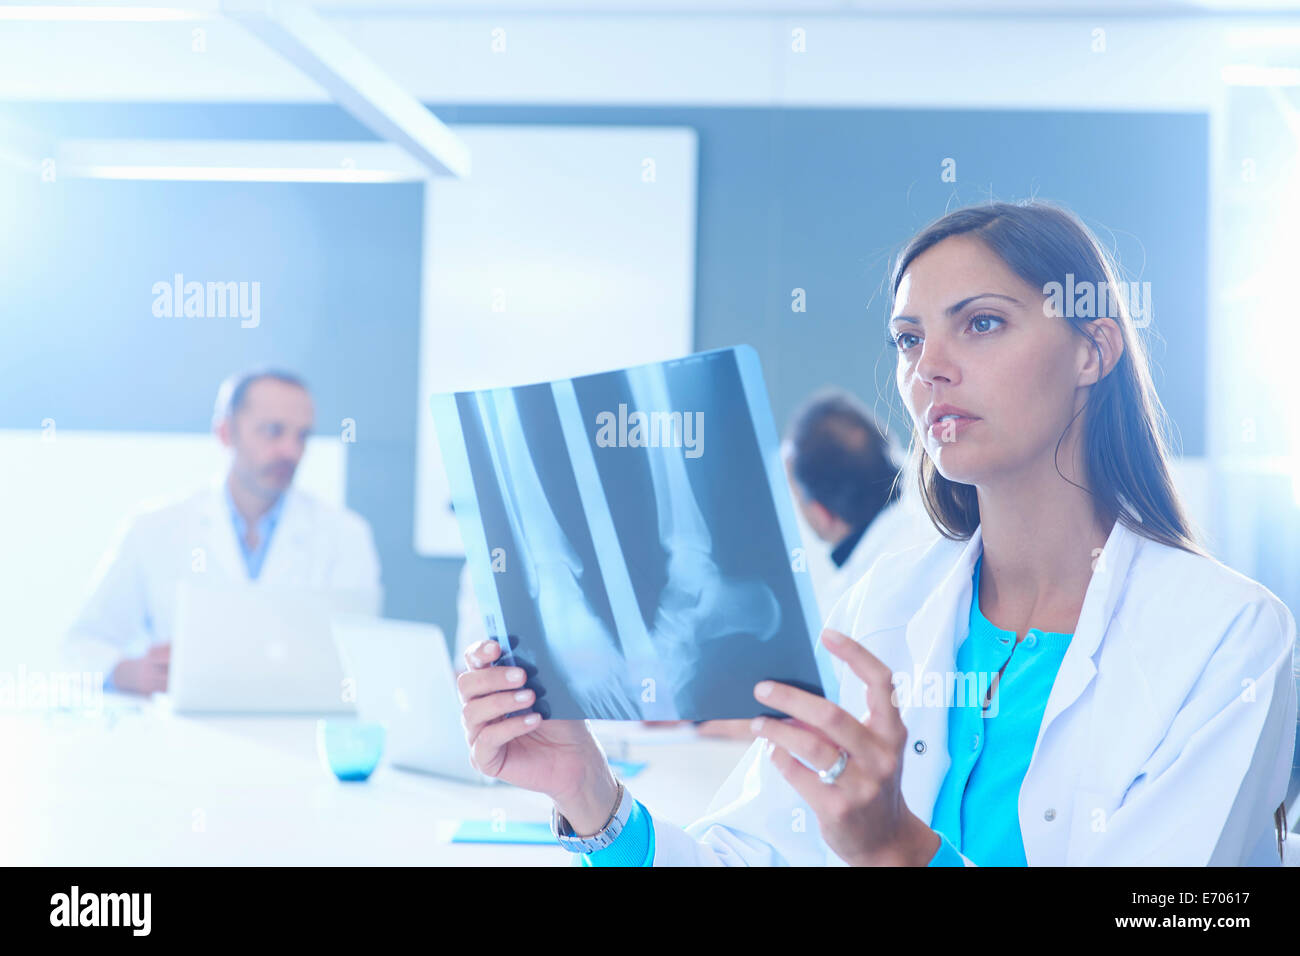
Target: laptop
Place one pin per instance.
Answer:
(243, 649)
(402, 675)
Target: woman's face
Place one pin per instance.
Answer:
(973, 339)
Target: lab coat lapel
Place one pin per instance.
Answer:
(221, 555)
(288, 557)
(1099, 602)
(933, 635)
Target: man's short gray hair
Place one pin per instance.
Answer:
(234, 390)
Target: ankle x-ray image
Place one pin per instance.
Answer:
(631, 539)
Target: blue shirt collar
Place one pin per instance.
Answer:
(981, 625)
(265, 524)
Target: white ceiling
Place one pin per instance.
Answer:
(798, 7)
(707, 56)
(973, 8)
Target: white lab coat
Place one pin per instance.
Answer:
(133, 596)
(899, 526)
(1167, 738)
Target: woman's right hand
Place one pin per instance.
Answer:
(559, 758)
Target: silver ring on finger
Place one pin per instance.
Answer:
(831, 775)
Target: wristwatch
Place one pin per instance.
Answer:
(622, 812)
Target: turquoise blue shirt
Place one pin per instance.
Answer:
(978, 804)
(635, 846)
(253, 557)
(977, 809)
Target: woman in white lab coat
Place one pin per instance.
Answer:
(1166, 735)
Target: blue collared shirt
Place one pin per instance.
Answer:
(254, 557)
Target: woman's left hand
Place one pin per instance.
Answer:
(862, 815)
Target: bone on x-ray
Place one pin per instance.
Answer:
(631, 538)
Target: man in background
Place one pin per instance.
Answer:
(849, 492)
(248, 526)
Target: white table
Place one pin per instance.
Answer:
(140, 786)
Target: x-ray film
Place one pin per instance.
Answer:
(632, 541)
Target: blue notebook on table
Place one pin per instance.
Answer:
(507, 831)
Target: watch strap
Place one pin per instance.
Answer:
(607, 834)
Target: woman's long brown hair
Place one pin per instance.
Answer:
(1125, 428)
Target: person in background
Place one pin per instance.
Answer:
(248, 525)
(848, 492)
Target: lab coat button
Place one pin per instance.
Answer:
(919, 746)
(1031, 640)
(975, 742)
(1049, 814)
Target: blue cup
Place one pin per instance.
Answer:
(350, 748)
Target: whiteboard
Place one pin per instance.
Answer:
(568, 250)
